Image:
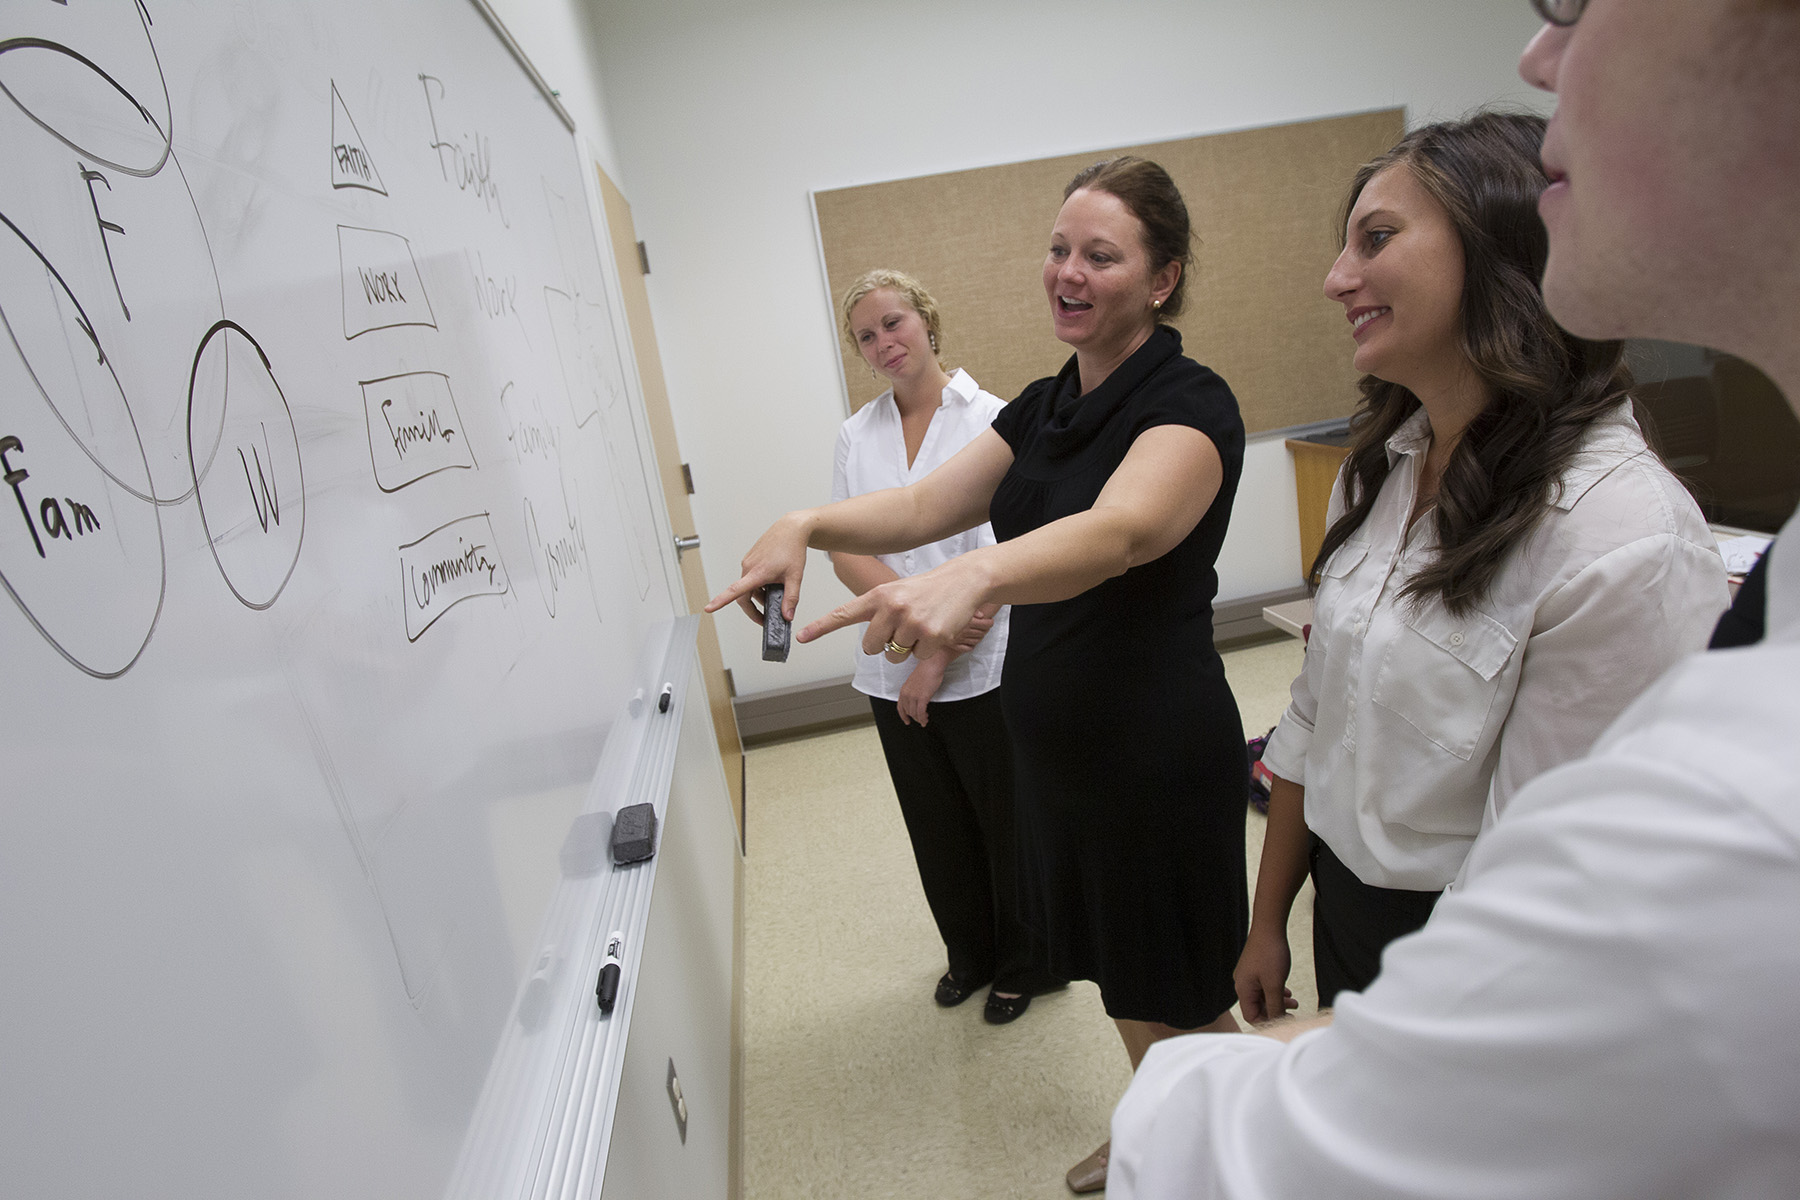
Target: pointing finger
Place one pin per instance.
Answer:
(853, 613)
(736, 591)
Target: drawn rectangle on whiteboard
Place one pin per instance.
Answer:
(565, 326)
(414, 428)
(381, 283)
(457, 561)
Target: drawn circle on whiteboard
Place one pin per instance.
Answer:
(73, 352)
(126, 232)
(113, 128)
(173, 288)
(81, 550)
(250, 486)
(44, 311)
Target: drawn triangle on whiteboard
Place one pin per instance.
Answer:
(351, 164)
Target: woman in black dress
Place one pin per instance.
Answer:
(1110, 486)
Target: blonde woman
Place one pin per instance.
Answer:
(939, 715)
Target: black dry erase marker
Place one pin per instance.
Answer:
(607, 990)
(662, 701)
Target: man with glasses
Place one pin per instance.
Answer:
(1608, 1005)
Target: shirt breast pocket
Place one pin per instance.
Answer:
(1334, 601)
(1345, 559)
(1441, 675)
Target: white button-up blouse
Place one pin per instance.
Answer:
(871, 455)
(1603, 1008)
(1410, 728)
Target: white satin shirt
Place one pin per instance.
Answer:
(1604, 1008)
(1411, 728)
(871, 455)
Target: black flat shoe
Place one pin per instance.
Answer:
(1003, 1010)
(951, 993)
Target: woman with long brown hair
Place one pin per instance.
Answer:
(1507, 564)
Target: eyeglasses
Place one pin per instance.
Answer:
(1559, 12)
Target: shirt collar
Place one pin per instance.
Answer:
(961, 389)
(1615, 429)
(1071, 427)
(1412, 437)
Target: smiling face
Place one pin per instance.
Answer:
(1098, 276)
(1674, 167)
(891, 336)
(1400, 280)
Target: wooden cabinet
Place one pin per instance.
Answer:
(1316, 463)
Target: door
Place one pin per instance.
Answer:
(674, 483)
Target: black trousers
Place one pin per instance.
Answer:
(1742, 624)
(1353, 923)
(954, 777)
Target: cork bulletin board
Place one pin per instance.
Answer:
(1264, 203)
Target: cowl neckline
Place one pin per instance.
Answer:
(1074, 423)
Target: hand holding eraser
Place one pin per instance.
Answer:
(777, 634)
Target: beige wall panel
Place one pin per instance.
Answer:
(1264, 203)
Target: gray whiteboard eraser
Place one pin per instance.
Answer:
(777, 633)
(634, 833)
(584, 849)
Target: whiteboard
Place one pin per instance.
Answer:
(331, 560)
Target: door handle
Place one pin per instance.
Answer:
(684, 544)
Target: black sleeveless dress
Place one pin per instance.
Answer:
(1131, 770)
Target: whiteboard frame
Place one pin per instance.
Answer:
(524, 60)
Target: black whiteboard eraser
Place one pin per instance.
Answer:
(634, 833)
(777, 633)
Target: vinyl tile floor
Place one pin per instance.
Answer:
(855, 1083)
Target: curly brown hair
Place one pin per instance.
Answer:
(1548, 386)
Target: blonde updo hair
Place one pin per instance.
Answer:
(910, 290)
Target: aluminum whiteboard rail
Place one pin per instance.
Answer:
(543, 1125)
(524, 61)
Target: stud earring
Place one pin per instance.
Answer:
(1156, 304)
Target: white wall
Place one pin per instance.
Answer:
(727, 113)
